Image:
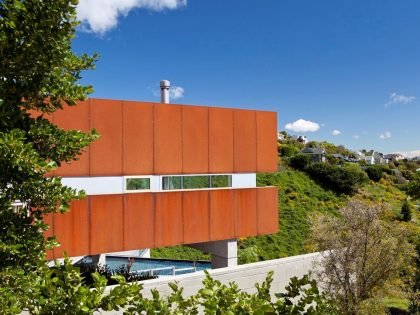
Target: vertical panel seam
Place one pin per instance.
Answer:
(123, 221)
(208, 215)
(235, 193)
(154, 218)
(257, 209)
(182, 217)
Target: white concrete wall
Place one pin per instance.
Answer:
(244, 275)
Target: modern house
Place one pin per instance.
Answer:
(344, 158)
(165, 175)
(394, 157)
(317, 154)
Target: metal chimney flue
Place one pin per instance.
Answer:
(164, 91)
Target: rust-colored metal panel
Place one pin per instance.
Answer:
(76, 118)
(245, 141)
(106, 224)
(139, 221)
(195, 139)
(63, 224)
(80, 214)
(137, 138)
(72, 230)
(196, 216)
(167, 139)
(220, 140)
(106, 152)
(266, 141)
(268, 213)
(168, 219)
(245, 204)
(221, 215)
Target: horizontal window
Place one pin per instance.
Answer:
(220, 181)
(171, 182)
(196, 182)
(137, 183)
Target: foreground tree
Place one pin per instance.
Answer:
(38, 75)
(361, 253)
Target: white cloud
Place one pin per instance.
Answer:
(100, 16)
(385, 135)
(410, 154)
(176, 92)
(395, 98)
(336, 132)
(356, 136)
(302, 125)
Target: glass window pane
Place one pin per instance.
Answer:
(218, 181)
(138, 183)
(196, 182)
(171, 182)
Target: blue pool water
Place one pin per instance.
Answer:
(140, 264)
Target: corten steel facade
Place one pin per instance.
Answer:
(139, 138)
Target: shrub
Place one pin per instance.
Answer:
(374, 172)
(406, 211)
(287, 150)
(345, 179)
(299, 161)
(413, 187)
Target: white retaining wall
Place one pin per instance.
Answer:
(244, 275)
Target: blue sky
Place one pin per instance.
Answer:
(351, 65)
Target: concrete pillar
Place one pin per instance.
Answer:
(223, 253)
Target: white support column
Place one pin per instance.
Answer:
(223, 253)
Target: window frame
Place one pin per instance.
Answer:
(230, 180)
(130, 191)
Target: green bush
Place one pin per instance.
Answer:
(374, 172)
(413, 187)
(287, 150)
(345, 179)
(406, 211)
(299, 161)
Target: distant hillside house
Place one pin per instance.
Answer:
(379, 158)
(302, 139)
(317, 154)
(394, 157)
(369, 159)
(345, 158)
(375, 158)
